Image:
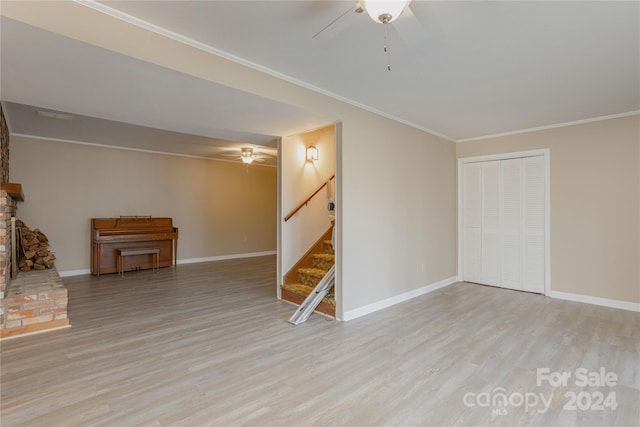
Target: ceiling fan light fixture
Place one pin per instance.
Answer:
(384, 11)
(247, 155)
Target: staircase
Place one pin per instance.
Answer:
(306, 274)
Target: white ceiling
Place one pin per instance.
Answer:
(459, 69)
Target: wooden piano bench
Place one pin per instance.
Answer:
(122, 253)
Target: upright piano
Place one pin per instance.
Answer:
(110, 234)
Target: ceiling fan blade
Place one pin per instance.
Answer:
(266, 151)
(356, 5)
(409, 29)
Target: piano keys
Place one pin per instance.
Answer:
(110, 234)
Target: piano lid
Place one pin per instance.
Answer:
(131, 222)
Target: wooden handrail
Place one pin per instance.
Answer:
(301, 205)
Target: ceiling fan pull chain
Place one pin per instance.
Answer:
(387, 46)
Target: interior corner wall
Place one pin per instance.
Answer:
(221, 208)
(595, 203)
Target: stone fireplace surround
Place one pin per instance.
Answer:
(32, 302)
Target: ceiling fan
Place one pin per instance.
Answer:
(249, 155)
(383, 12)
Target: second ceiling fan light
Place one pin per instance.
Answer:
(247, 155)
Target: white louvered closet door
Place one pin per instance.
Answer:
(504, 223)
(533, 230)
(511, 221)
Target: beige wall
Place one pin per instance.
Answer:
(399, 207)
(299, 177)
(221, 208)
(595, 203)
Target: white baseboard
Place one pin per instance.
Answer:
(379, 305)
(68, 273)
(605, 302)
(225, 257)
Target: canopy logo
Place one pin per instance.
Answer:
(499, 400)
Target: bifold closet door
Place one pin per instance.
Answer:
(504, 223)
(511, 222)
(482, 223)
(533, 230)
(490, 232)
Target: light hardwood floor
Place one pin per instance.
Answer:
(208, 344)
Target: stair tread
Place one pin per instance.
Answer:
(311, 271)
(297, 287)
(324, 256)
(322, 261)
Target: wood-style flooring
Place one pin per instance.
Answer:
(209, 345)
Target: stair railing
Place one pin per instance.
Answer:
(308, 199)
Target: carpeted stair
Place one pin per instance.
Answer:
(308, 277)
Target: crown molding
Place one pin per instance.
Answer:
(558, 125)
(140, 150)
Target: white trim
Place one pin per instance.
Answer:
(114, 13)
(604, 302)
(504, 156)
(338, 225)
(547, 221)
(557, 125)
(460, 260)
(279, 261)
(379, 305)
(119, 147)
(546, 153)
(225, 257)
(68, 273)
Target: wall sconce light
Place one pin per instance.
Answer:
(312, 153)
